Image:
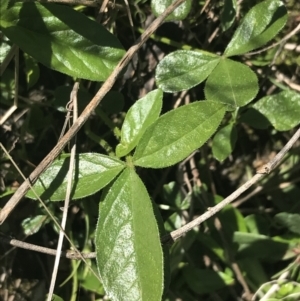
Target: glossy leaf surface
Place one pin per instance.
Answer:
(259, 26)
(231, 83)
(138, 118)
(180, 13)
(176, 134)
(67, 40)
(224, 142)
(282, 109)
(183, 69)
(92, 173)
(129, 252)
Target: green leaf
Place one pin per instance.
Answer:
(3, 6)
(32, 225)
(259, 246)
(255, 119)
(129, 252)
(184, 69)
(260, 25)
(282, 109)
(63, 39)
(180, 13)
(176, 134)
(206, 281)
(231, 83)
(228, 14)
(224, 142)
(139, 117)
(289, 220)
(92, 173)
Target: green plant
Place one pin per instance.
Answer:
(131, 260)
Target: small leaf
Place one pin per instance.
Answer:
(231, 83)
(224, 142)
(4, 5)
(184, 69)
(67, 40)
(180, 13)
(176, 134)
(32, 225)
(289, 220)
(282, 109)
(228, 14)
(92, 173)
(260, 25)
(129, 252)
(139, 117)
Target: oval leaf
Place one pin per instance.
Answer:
(139, 117)
(224, 142)
(129, 253)
(224, 86)
(92, 173)
(180, 13)
(260, 25)
(282, 109)
(63, 39)
(184, 69)
(176, 134)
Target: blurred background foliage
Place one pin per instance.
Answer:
(236, 255)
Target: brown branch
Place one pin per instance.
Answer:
(107, 85)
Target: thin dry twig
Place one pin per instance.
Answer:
(266, 169)
(24, 245)
(107, 85)
(73, 101)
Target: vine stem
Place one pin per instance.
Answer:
(107, 85)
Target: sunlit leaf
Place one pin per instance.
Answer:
(62, 39)
(259, 26)
(138, 118)
(183, 69)
(92, 173)
(282, 109)
(231, 83)
(129, 252)
(178, 133)
(180, 13)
